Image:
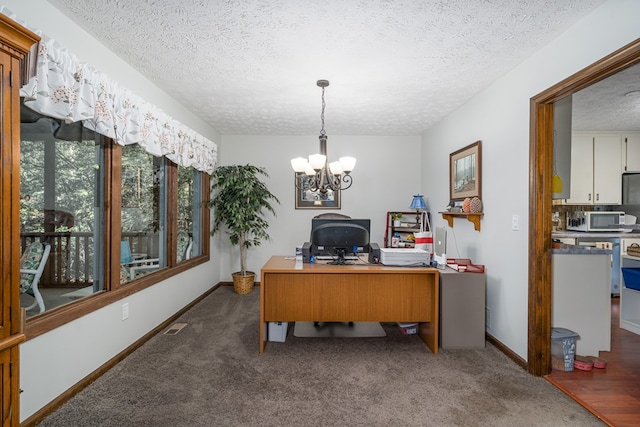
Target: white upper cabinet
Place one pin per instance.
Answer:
(631, 151)
(562, 113)
(581, 170)
(596, 169)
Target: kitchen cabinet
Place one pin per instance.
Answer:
(629, 298)
(631, 151)
(562, 113)
(596, 169)
(405, 226)
(630, 309)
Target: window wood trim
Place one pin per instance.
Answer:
(172, 213)
(112, 215)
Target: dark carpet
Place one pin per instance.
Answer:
(211, 374)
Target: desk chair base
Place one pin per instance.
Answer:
(317, 324)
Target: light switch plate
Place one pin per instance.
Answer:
(125, 311)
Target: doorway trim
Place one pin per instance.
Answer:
(540, 201)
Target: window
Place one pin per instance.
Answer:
(69, 200)
(60, 204)
(143, 213)
(189, 213)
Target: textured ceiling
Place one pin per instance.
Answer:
(612, 104)
(396, 67)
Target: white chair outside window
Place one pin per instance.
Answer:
(184, 246)
(131, 265)
(32, 264)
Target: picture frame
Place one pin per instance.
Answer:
(308, 199)
(465, 172)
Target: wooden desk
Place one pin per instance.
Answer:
(349, 293)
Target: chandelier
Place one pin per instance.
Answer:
(317, 174)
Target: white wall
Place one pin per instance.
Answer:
(386, 175)
(499, 116)
(384, 181)
(55, 361)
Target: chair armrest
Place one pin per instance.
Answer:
(27, 271)
(135, 269)
(142, 261)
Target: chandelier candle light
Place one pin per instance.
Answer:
(317, 174)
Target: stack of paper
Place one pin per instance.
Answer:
(403, 257)
(457, 267)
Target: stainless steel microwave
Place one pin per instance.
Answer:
(595, 221)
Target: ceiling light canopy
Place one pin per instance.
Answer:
(316, 174)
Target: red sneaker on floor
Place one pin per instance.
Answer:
(582, 363)
(598, 362)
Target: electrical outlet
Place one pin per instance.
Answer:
(515, 222)
(125, 311)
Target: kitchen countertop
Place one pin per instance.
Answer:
(603, 234)
(561, 248)
(580, 250)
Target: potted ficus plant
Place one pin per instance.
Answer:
(239, 203)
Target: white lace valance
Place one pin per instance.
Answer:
(68, 90)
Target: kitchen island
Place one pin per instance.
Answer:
(619, 240)
(581, 295)
(629, 298)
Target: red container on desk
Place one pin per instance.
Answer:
(465, 265)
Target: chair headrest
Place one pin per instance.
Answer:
(332, 215)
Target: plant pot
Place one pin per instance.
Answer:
(243, 284)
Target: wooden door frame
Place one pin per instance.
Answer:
(540, 202)
(17, 44)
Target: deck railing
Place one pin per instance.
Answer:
(71, 260)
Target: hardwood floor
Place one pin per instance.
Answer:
(612, 394)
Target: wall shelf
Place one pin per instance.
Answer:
(471, 217)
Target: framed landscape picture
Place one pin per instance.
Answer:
(465, 172)
(309, 199)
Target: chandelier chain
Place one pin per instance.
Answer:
(322, 131)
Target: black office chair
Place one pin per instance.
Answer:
(330, 215)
